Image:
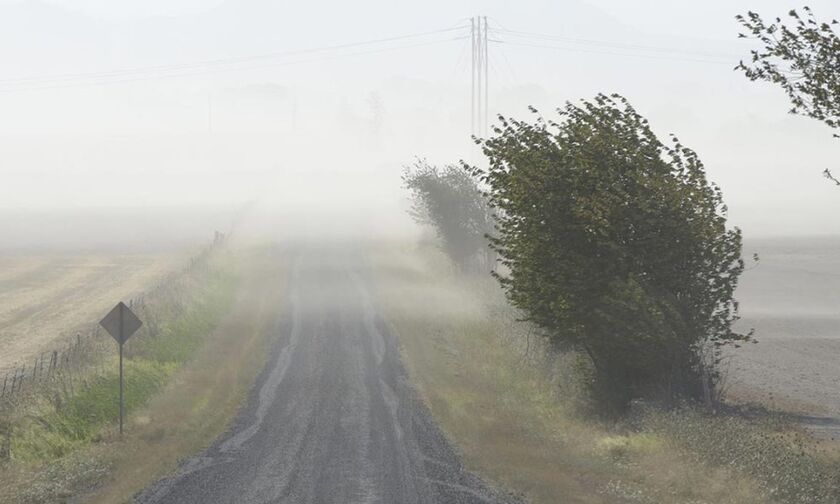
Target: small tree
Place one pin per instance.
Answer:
(616, 245)
(803, 58)
(450, 201)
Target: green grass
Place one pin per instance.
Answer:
(206, 337)
(57, 431)
(517, 411)
(514, 410)
(182, 335)
(788, 465)
(55, 422)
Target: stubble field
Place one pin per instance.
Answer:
(46, 298)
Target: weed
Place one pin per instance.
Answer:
(515, 408)
(53, 421)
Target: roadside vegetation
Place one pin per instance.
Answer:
(60, 436)
(56, 417)
(46, 298)
(516, 408)
(594, 371)
(610, 244)
(801, 55)
(615, 245)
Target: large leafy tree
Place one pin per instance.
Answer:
(615, 244)
(803, 57)
(449, 200)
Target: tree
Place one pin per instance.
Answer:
(450, 201)
(803, 58)
(615, 245)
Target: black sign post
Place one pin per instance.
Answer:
(121, 323)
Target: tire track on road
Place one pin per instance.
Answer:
(333, 418)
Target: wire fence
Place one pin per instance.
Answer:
(81, 359)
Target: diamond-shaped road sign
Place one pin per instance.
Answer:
(121, 323)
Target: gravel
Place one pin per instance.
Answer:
(333, 417)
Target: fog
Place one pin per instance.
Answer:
(95, 117)
(232, 171)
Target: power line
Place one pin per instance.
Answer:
(610, 44)
(208, 64)
(513, 78)
(479, 94)
(472, 89)
(497, 72)
(611, 53)
(175, 73)
(486, 78)
(459, 62)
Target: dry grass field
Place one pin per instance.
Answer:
(46, 298)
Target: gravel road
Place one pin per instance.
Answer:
(333, 418)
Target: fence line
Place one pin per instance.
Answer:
(85, 351)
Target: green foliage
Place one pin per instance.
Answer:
(78, 421)
(450, 201)
(180, 336)
(56, 427)
(787, 464)
(803, 58)
(615, 244)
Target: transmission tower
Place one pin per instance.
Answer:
(479, 94)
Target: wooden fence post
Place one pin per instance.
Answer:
(5, 441)
(70, 376)
(22, 376)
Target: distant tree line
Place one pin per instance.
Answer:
(612, 242)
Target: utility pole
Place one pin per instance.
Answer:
(472, 88)
(480, 65)
(486, 79)
(480, 91)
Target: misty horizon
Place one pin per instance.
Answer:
(234, 134)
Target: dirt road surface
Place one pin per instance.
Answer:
(333, 418)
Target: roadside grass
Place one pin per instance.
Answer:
(49, 432)
(789, 465)
(46, 297)
(182, 388)
(199, 401)
(53, 424)
(515, 414)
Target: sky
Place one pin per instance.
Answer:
(109, 104)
